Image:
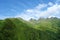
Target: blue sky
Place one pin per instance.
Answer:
(27, 9)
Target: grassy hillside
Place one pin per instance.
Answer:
(19, 29)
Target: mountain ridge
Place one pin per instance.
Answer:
(19, 29)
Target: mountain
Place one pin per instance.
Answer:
(19, 29)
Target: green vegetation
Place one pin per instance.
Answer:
(19, 29)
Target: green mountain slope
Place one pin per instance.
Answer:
(19, 29)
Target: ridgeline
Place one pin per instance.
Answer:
(19, 29)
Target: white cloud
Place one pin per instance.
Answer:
(50, 4)
(40, 6)
(36, 12)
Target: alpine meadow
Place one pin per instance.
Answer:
(19, 29)
(29, 19)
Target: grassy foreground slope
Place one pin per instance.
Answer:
(19, 29)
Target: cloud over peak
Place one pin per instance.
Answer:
(41, 10)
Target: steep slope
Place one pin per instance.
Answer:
(50, 26)
(15, 29)
(19, 29)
